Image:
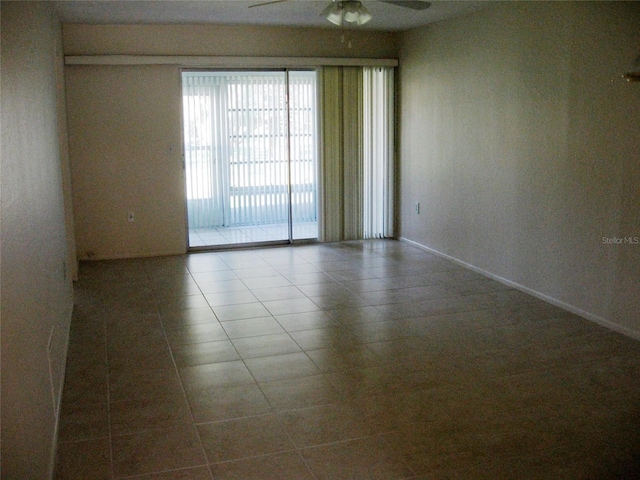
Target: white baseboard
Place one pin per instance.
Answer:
(553, 301)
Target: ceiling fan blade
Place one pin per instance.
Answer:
(412, 4)
(266, 3)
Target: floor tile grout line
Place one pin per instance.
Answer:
(112, 472)
(182, 388)
(252, 457)
(306, 464)
(266, 455)
(289, 335)
(146, 475)
(276, 320)
(255, 382)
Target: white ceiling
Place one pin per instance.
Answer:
(237, 12)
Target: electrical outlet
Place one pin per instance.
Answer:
(131, 217)
(417, 205)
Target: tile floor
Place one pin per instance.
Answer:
(209, 237)
(359, 360)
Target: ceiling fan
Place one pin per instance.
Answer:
(353, 11)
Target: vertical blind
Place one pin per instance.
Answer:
(331, 198)
(303, 134)
(239, 134)
(352, 113)
(358, 153)
(378, 152)
(247, 151)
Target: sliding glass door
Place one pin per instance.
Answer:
(250, 150)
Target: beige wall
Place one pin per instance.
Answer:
(125, 146)
(125, 124)
(36, 297)
(520, 141)
(225, 41)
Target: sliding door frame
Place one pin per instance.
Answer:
(288, 153)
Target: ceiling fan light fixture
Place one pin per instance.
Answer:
(354, 12)
(364, 16)
(333, 13)
(350, 11)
